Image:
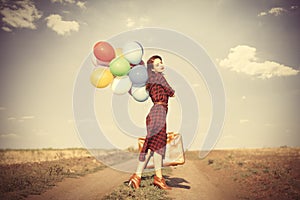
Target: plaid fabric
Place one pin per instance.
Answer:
(158, 87)
(156, 139)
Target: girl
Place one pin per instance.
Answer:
(155, 142)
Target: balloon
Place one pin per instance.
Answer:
(103, 51)
(101, 77)
(98, 63)
(133, 52)
(119, 66)
(119, 52)
(121, 85)
(140, 94)
(138, 75)
(141, 63)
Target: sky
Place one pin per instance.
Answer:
(253, 44)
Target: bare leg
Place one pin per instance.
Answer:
(142, 164)
(157, 164)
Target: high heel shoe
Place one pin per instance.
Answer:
(134, 181)
(161, 183)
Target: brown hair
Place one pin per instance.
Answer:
(150, 72)
(150, 63)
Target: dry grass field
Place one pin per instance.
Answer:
(25, 172)
(40, 155)
(270, 173)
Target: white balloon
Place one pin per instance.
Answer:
(121, 85)
(133, 52)
(140, 94)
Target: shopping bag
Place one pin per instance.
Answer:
(174, 154)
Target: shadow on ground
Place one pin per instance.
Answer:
(177, 182)
(174, 182)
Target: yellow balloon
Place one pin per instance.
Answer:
(101, 77)
(119, 52)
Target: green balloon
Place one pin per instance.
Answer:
(119, 66)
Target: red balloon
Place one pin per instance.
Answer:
(103, 51)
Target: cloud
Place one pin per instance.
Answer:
(22, 118)
(22, 14)
(62, 1)
(40, 132)
(243, 121)
(66, 12)
(11, 118)
(81, 4)
(294, 7)
(276, 11)
(8, 136)
(243, 59)
(262, 14)
(130, 23)
(6, 29)
(28, 117)
(144, 19)
(60, 26)
(2, 108)
(140, 22)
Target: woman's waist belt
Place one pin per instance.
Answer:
(161, 103)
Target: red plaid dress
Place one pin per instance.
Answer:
(159, 91)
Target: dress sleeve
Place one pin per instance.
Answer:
(148, 86)
(167, 87)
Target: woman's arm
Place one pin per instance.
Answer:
(167, 87)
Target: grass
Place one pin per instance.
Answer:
(146, 191)
(40, 155)
(261, 173)
(20, 180)
(267, 173)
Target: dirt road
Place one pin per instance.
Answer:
(90, 187)
(190, 181)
